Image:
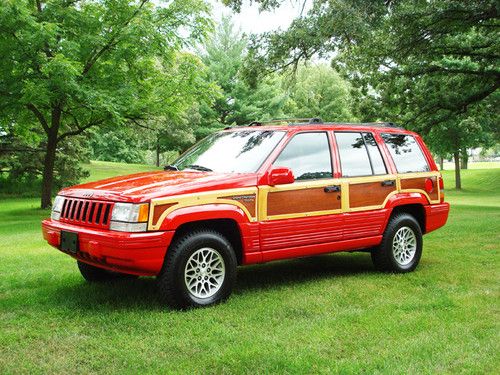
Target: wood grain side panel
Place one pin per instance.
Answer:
(246, 200)
(159, 209)
(419, 183)
(369, 194)
(299, 201)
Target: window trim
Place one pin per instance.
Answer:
(292, 136)
(429, 169)
(367, 152)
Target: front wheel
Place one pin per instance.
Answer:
(199, 270)
(401, 246)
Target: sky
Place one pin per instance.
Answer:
(249, 20)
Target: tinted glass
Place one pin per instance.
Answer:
(354, 158)
(308, 156)
(375, 156)
(406, 153)
(235, 152)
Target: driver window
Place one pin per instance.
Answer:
(308, 156)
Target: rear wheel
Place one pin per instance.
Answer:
(199, 270)
(401, 246)
(95, 274)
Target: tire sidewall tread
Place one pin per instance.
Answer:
(382, 255)
(172, 288)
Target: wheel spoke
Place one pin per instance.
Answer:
(204, 272)
(404, 245)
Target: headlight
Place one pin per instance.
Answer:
(57, 208)
(129, 217)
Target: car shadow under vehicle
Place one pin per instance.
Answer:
(142, 294)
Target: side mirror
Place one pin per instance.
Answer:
(281, 176)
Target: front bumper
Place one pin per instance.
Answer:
(135, 253)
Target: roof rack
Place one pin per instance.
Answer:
(317, 120)
(379, 124)
(288, 121)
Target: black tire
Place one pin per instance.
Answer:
(171, 280)
(384, 256)
(94, 274)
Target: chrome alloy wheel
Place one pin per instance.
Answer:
(404, 246)
(204, 273)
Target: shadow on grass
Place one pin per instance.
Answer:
(142, 293)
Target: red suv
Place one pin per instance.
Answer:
(255, 194)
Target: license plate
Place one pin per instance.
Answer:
(69, 241)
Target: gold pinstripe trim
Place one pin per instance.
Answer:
(197, 199)
(261, 193)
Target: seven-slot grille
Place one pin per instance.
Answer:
(86, 212)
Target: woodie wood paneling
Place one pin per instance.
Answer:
(419, 183)
(301, 201)
(369, 194)
(246, 200)
(158, 210)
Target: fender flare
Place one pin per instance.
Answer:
(404, 198)
(213, 211)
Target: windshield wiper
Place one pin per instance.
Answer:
(199, 168)
(170, 167)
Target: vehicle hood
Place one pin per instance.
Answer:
(142, 187)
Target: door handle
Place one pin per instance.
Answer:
(332, 189)
(388, 183)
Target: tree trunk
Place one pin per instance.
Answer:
(458, 181)
(50, 157)
(465, 159)
(441, 163)
(48, 170)
(157, 152)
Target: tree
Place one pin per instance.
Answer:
(319, 91)
(239, 103)
(71, 65)
(427, 63)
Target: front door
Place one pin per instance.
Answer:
(306, 211)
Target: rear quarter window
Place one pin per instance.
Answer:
(406, 153)
(359, 154)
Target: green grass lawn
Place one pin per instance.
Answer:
(325, 314)
(104, 169)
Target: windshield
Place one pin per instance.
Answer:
(231, 152)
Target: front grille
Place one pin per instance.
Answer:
(86, 212)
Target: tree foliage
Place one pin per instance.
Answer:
(67, 66)
(319, 91)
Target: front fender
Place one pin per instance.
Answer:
(203, 212)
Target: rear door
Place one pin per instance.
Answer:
(305, 212)
(369, 184)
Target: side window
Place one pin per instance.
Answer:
(375, 156)
(359, 154)
(406, 153)
(308, 156)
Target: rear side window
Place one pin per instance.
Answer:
(308, 156)
(406, 153)
(359, 154)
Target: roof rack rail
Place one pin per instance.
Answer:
(379, 124)
(288, 121)
(317, 120)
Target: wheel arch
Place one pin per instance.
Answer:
(416, 210)
(228, 227)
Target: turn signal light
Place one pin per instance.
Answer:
(429, 185)
(143, 213)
